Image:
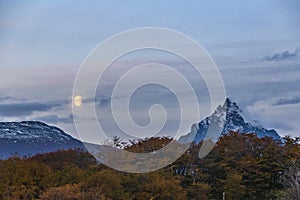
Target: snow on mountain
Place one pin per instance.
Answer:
(232, 117)
(31, 137)
(31, 131)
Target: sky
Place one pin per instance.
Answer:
(255, 44)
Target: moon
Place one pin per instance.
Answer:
(77, 100)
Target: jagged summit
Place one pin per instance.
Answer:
(231, 116)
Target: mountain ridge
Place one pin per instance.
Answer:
(230, 115)
(28, 138)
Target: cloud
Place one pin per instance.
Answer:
(287, 101)
(286, 55)
(4, 99)
(22, 109)
(101, 101)
(280, 117)
(104, 102)
(54, 119)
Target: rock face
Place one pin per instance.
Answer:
(31, 137)
(230, 115)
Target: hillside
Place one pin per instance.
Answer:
(31, 137)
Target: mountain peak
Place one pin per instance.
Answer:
(230, 105)
(230, 116)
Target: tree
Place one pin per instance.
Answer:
(291, 175)
(66, 192)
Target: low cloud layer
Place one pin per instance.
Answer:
(23, 109)
(281, 114)
(54, 119)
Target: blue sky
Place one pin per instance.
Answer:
(42, 44)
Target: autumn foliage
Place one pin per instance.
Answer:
(241, 166)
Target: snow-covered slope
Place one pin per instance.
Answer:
(231, 116)
(31, 137)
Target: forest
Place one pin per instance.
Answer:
(241, 166)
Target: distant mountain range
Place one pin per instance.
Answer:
(231, 116)
(31, 137)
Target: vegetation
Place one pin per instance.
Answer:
(241, 166)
